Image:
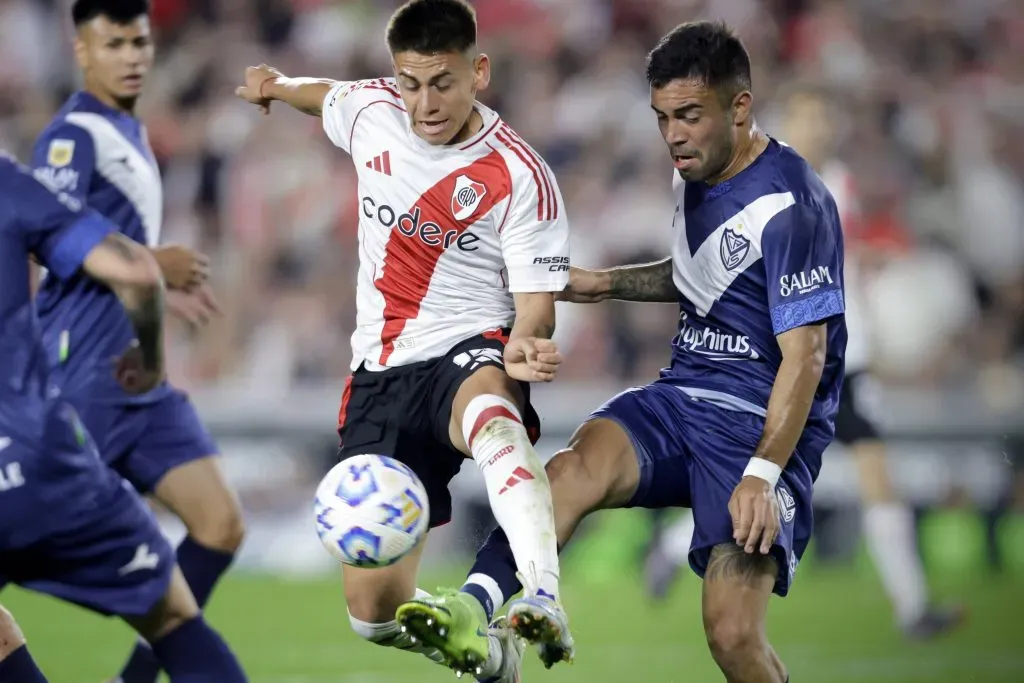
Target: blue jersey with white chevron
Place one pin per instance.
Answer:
(102, 157)
(754, 257)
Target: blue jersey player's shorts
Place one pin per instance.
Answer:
(692, 453)
(144, 442)
(75, 530)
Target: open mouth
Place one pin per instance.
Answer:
(134, 80)
(683, 162)
(433, 127)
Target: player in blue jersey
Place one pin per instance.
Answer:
(887, 522)
(96, 150)
(70, 528)
(736, 425)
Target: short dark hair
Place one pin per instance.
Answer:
(703, 51)
(432, 26)
(118, 11)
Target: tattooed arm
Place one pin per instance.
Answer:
(132, 273)
(642, 282)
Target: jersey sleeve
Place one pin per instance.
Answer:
(57, 227)
(535, 234)
(346, 99)
(65, 158)
(803, 259)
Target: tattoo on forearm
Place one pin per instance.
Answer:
(147, 319)
(729, 562)
(649, 282)
(145, 309)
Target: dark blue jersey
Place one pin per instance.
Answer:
(754, 257)
(100, 156)
(54, 226)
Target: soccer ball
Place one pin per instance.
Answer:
(371, 510)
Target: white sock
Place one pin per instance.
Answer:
(517, 487)
(675, 540)
(889, 531)
(389, 634)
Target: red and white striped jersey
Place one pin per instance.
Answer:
(446, 233)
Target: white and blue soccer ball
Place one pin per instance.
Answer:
(371, 510)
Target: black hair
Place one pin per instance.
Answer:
(704, 51)
(432, 26)
(118, 11)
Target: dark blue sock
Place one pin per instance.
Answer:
(202, 567)
(19, 667)
(494, 559)
(195, 653)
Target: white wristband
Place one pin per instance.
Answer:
(762, 468)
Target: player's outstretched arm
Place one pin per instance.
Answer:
(650, 282)
(264, 84)
(133, 274)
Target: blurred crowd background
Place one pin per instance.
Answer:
(927, 104)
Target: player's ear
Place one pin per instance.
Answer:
(742, 107)
(481, 71)
(81, 52)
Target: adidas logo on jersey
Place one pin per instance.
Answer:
(381, 163)
(474, 358)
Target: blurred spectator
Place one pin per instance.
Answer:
(929, 124)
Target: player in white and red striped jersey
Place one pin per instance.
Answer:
(463, 244)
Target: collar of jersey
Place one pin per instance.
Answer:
(717, 190)
(104, 109)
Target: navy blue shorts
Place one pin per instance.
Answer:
(692, 453)
(144, 442)
(74, 529)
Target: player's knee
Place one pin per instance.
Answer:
(222, 530)
(733, 635)
(11, 637)
(574, 481)
(566, 465)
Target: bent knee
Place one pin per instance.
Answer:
(222, 527)
(593, 479)
(733, 634)
(566, 465)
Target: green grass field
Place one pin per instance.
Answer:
(834, 627)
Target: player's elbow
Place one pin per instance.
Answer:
(815, 359)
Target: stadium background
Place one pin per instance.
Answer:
(931, 96)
